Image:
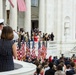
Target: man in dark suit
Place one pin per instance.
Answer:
(73, 70)
(52, 36)
(1, 25)
(51, 71)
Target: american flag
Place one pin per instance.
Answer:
(39, 52)
(42, 52)
(19, 55)
(28, 53)
(21, 5)
(33, 53)
(27, 48)
(11, 3)
(21, 52)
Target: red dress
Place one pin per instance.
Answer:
(35, 38)
(50, 59)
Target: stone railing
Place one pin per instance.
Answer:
(21, 68)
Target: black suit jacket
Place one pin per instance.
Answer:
(50, 72)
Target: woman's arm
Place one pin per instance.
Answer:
(14, 51)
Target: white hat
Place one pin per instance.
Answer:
(1, 20)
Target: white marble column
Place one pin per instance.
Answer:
(42, 15)
(27, 20)
(59, 19)
(74, 20)
(13, 15)
(49, 19)
(1, 9)
(75, 17)
(4, 11)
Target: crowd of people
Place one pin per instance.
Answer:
(44, 66)
(36, 35)
(51, 66)
(56, 66)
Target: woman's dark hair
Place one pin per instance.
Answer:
(68, 66)
(59, 67)
(72, 64)
(51, 65)
(21, 29)
(7, 33)
(2, 23)
(38, 70)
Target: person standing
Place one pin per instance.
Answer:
(60, 71)
(52, 36)
(50, 71)
(1, 27)
(7, 49)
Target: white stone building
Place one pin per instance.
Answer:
(57, 16)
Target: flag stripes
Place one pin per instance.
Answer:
(21, 5)
(26, 52)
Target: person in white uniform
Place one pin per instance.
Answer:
(15, 36)
(1, 27)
